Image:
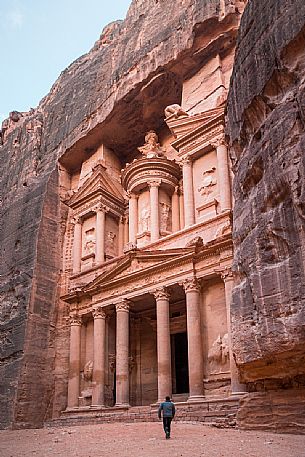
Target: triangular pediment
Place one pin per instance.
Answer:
(183, 126)
(99, 182)
(139, 262)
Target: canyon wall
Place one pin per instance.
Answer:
(266, 127)
(112, 95)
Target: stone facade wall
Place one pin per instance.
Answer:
(266, 121)
(133, 63)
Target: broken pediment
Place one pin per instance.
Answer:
(99, 182)
(192, 132)
(140, 262)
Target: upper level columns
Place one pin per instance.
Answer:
(98, 379)
(122, 353)
(100, 234)
(188, 192)
(77, 246)
(154, 210)
(133, 218)
(163, 344)
(236, 386)
(223, 174)
(194, 338)
(74, 362)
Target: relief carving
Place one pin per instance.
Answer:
(164, 217)
(208, 183)
(218, 354)
(88, 371)
(89, 242)
(144, 220)
(110, 243)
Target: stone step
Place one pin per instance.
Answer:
(217, 412)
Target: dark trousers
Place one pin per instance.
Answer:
(167, 424)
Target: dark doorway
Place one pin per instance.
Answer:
(181, 363)
(114, 388)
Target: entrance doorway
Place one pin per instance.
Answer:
(180, 363)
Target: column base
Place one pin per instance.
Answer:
(97, 406)
(122, 405)
(194, 398)
(238, 394)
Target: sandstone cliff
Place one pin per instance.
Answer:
(266, 125)
(112, 95)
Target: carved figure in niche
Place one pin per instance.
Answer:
(144, 220)
(164, 216)
(110, 243)
(208, 183)
(89, 242)
(219, 353)
(174, 110)
(88, 371)
(151, 147)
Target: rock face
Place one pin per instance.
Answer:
(135, 70)
(266, 120)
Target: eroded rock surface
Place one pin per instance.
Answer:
(266, 125)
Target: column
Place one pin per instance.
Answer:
(154, 210)
(175, 211)
(188, 192)
(98, 378)
(163, 344)
(237, 388)
(181, 208)
(133, 218)
(100, 234)
(126, 231)
(74, 361)
(195, 352)
(223, 171)
(122, 353)
(121, 234)
(77, 246)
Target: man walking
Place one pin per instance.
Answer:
(168, 410)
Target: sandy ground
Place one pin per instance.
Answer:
(147, 440)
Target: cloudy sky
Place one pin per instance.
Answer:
(40, 38)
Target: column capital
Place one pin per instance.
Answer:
(101, 207)
(226, 274)
(132, 195)
(76, 220)
(186, 161)
(221, 141)
(191, 285)
(124, 305)
(161, 294)
(75, 319)
(99, 313)
(154, 183)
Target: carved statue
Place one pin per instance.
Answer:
(219, 352)
(110, 243)
(89, 242)
(151, 147)
(208, 182)
(144, 220)
(88, 371)
(174, 110)
(164, 216)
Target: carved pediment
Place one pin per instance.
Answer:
(182, 126)
(137, 263)
(99, 182)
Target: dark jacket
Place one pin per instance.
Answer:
(168, 409)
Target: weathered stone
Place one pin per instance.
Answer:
(267, 135)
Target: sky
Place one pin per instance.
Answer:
(40, 38)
